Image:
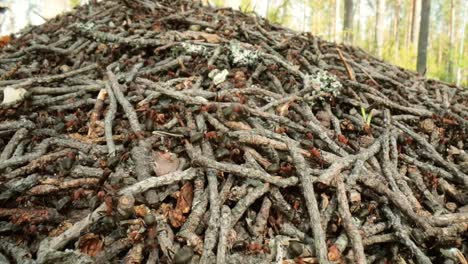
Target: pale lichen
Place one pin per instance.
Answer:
(242, 56)
(218, 76)
(323, 83)
(195, 49)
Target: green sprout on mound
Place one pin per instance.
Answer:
(366, 117)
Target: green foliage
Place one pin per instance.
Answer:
(246, 6)
(74, 3)
(218, 3)
(279, 14)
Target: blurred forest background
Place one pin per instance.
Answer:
(389, 29)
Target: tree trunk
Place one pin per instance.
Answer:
(415, 21)
(439, 49)
(304, 15)
(462, 41)
(337, 19)
(331, 22)
(423, 37)
(379, 28)
(409, 25)
(451, 40)
(348, 22)
(396, 30)
(357, 31)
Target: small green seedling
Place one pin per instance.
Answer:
(367, 117)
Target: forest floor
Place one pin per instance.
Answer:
(167, 132)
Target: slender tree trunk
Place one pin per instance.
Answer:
(462, 41)
(379, 27)
(357, 32)
(409, 25)
(396, 30)
(337, 20)
(415, 21)
(421, 65)
(330, 20)
(451, 40)
(439, 49)
(304, 14)
(348, 22)
(267, 11)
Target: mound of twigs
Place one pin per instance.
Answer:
(167, 132)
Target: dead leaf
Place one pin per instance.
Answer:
(325, 201)
(449, 121)
(334, 253)
(165, 209)
(158, 27)
(165, 162)
(141, 210)
(211, 38)
(96, 130)
(282, 110)
(62, 227)
(176, 218)
(4, 40)
(237, 125)
(90, 244)
(184, 202)
(208, 37)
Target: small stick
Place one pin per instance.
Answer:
(384, 238)
(96, 113)
(165, 236)
(261, 219)
(112, 250)
(56, 243)
(373, 183)
(373, 229)
(246, 202)
(403, 235)
(54, 186)
(281, 204)
(335, 121)
(331, 172)
(328, 212)
(38, 163)
(127, 107)
(50, 78)
(31, 215)
(349, 70)
(18, 186)
(311, 203)
(199, 205)
(135, 254)
(433, 153)
(223, 234)
(108, 120)
(17, 253)
(141, 156)
(289, 229)
(211, 233)
(14, 141)
(244, 172)
(351, 229)
(39, 150)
